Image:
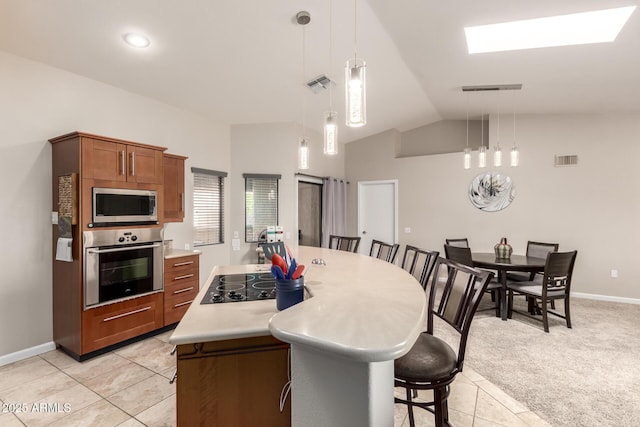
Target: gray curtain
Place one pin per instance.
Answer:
(334, 208)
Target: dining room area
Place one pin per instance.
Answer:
(582, 375)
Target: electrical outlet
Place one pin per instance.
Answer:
(614, 274)
(407, 230)
(236, 235)
(186, 246)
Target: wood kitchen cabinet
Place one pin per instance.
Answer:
(173, 187)
(233, 383)
(181, 285)
(113, 323)
(100, 161)
(120, 161)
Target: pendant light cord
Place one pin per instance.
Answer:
(304, 103)
(330, 52)
(467, 120)
(355, 30)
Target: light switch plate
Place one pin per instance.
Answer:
(54, 218)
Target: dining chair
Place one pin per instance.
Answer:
(537, 250)
(460, 243)
(344, 243)
(463, 256)
(419, 263)
(432, 364)
(555, 285)
(384, 251)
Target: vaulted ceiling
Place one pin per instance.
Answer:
(241, 61)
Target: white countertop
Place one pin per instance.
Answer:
(175, 253)
(360, 308)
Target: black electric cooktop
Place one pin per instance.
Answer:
(229, 288)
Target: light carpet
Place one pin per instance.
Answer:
(585, 376)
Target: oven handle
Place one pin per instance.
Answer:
(128, 248)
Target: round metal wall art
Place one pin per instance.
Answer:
(491, 191)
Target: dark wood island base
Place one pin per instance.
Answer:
(236, 382)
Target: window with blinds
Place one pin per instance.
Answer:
(208, 207)
(260, 203)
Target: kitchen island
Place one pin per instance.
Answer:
(359, 315)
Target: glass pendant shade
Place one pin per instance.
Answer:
(303, 155)
(331, 133)
(467, 158)
(515, 156)
(497, 155)
(355, 96)
(482, 157)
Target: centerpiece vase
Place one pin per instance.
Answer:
(503, 249)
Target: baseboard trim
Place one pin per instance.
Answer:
(26, 353)
(606, 298)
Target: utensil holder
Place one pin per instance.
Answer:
(289, 292)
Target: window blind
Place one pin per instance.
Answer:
(208, 207)
(261, 204)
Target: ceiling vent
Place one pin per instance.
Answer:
(320, 83)
(571, 160)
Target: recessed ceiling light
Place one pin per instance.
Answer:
(136, 40)
(578, 28)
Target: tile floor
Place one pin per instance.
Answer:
(130, 387)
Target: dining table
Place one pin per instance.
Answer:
(489, 261)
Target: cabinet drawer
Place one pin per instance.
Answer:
(177, 304)
(182, 263)
(117, 322)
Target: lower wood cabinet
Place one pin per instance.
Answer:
(113, 323)
(181, 285)
(233, 383)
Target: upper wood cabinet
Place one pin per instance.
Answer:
(111, 160)
(173, 188)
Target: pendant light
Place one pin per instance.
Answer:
(303, 18)
(482, 152)
(497, 151)
(515, 155)
(467, 150)
(330, 117)
(355, 83)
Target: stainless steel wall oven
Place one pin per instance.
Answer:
(120, 264)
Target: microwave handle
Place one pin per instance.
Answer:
(128, 248)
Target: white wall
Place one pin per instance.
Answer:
(38, 103)
(273, 149)
(593, 207)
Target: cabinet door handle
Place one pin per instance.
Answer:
(182, 201)
(122, 166)
(183, 290)
(183, 263)
(182, 303)
(133, 163)
(140, 310)
(186, 276)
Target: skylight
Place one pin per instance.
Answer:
(578, 28)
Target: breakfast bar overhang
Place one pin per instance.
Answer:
(364, 314)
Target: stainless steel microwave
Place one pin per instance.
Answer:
(120, 206)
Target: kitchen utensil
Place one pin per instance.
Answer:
(291, 268)
(277, 272)
(280, 262)
(298, 272)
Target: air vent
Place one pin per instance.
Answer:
(319, 83)
(571, 160)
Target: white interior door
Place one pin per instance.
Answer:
(377, 213)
